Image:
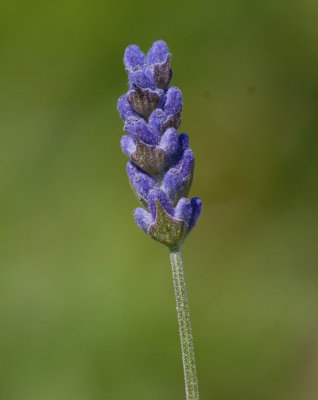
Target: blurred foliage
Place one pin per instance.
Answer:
(86, 299)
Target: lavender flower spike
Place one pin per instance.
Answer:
(151, 110)
(160, 170)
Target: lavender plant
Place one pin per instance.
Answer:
(160, 171)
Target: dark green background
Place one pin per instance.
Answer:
(86, 299)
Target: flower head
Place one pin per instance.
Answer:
(161, 163)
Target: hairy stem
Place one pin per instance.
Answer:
(188, 358)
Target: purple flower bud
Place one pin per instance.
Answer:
(128, 145)
(173, 105)
(170, 144)
(156, 120)
(183, 210)
(134, 58)
(158, 53)
(124, 108)
(178, 179)
(158, 60)
(143, 219)
(141, 182)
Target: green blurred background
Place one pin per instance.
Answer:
(86, 299)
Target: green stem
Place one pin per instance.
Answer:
(188, 358)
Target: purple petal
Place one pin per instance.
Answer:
(183, 210)
(139, 127)
(128, 145)
(134, 58)
(196, 211)
(143, 219)
(158, 194)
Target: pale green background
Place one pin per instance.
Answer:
(86, 299)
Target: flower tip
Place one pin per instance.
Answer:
(134, 58)
(158, 53)
(160, 45)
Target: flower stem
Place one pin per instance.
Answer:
(188, 358)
